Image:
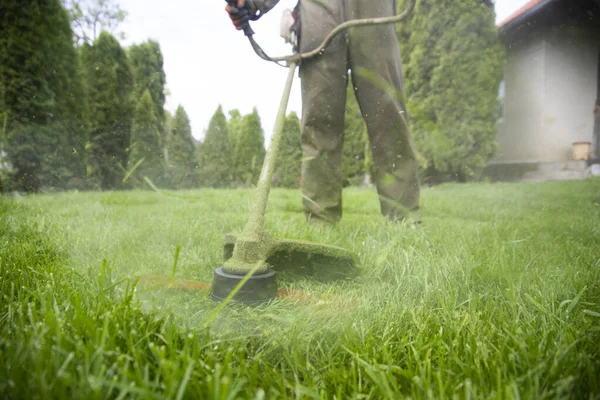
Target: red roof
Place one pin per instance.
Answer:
(522, 10)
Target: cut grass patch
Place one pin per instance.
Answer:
(495, 295)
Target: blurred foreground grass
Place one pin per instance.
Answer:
(495, 295)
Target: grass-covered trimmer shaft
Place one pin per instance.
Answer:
(252, 257)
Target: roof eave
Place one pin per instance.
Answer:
(523, 17)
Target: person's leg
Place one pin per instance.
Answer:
(324, 82)
(377, 78)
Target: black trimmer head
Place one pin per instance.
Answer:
(289, 258)
(257, 289)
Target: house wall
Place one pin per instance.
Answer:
(550, 90)
(520, 126)
(570, 91)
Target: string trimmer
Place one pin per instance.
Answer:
(253, 258)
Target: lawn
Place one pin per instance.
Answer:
(495, 295)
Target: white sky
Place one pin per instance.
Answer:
(208, 62)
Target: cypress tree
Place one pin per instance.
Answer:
(234, 128)
(355, 141)
(166, 132)
(182, 167)
(109, 85)
(288, 165)
(214, 156)
(40, 95)
(146, 144)
(249, 152)
(452, 66)
(148, 74)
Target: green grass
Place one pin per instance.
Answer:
(495, 295)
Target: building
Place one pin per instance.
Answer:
(547, 128)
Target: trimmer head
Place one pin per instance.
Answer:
(258, 289)
(286, 257)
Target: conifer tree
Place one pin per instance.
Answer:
(249, 152)
(148, 74)
(214, 156)
(288, 165)
(109, 85)
(355, 141)
(452, 62)
(146, 153)
(182, 168)
(40, 96)
(166, 132)
(234, 128)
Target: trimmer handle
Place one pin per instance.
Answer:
(247, 29)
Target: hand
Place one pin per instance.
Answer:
(242, 11)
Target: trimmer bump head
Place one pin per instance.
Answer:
(324, 263)
(257, 289)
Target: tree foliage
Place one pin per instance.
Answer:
(234, 128)
(40, 95)
(146, 152)
(214, 157)
(90, 17)
(355, 142)
(288, 164)
(109, 85)
(182, 169)
(452, 65)
(67, 111)
(249, 152)
(147, 66)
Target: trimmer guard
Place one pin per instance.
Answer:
(318, 261)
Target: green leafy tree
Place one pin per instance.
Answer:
(166, 132)
(40, 96)
(288, 164)
(249, 152)
(148, 74)
(214, 156)
(355, 142)
(452, 66)
(146, 149)
(168, 122)
(109, 85)
(182, 168)
(234, 128)
(90, 17)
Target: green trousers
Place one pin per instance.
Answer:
(372, 55)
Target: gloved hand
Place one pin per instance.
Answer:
(242, 11)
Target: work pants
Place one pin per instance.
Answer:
(373, 56)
